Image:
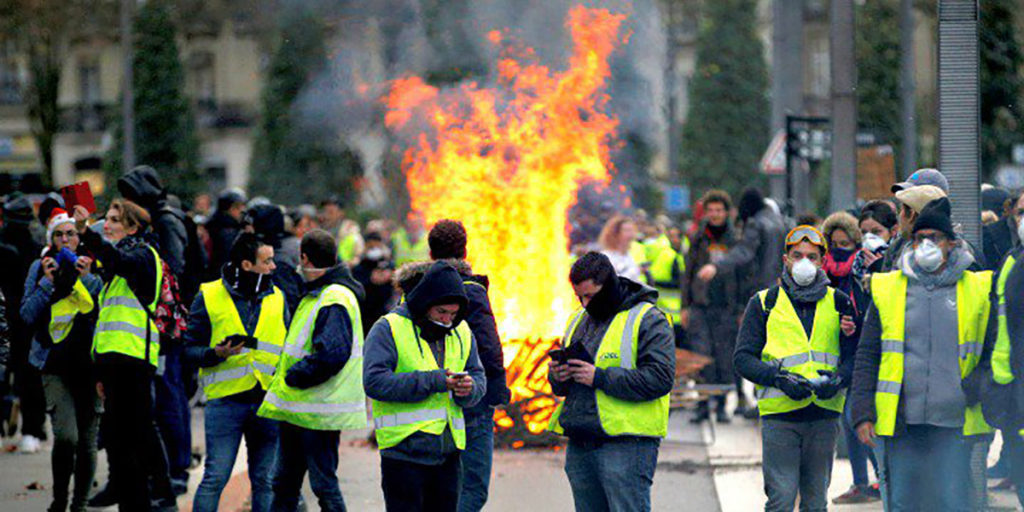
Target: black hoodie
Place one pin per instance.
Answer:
(142, 186)
(332, 334)
(652, 378)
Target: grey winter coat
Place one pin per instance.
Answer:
(757, 258)
(652, 378)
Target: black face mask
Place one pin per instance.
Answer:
(605, 303)
(433, 332)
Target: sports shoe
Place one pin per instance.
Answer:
(856, 494)
(29, 444)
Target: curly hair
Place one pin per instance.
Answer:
(447, 240)
(717, 196)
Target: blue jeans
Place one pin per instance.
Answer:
(300, 450)
(226, 421)
(476, 461)
(613, 475)
(173, 415)
(928, 469)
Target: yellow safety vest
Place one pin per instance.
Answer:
(889, 292)
(64, 311)
(618, 349)
(406, 251)
(337, 404)
(241, 372)
(347, 247)
(654, 246)
(787, 344)
(395, 421)
(1002, 372)
(670, 295)
(125, 326)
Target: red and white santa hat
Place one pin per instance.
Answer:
(58, 217)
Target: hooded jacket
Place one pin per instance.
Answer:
(652, 378)
(223, 229)
(331, 336)
(931, 369)
(481, 321)
(439, 285)
(757, 257)
(248, 303)
(142, 186)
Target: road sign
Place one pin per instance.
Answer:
(774, 159)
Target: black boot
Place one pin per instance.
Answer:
(701, 414)
(106, 497)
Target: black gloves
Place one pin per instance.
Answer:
(830, 387)
(795, 386)
(63, 281)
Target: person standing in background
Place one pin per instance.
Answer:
(616, 241)
(712, 306)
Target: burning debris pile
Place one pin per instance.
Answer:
(507, 160)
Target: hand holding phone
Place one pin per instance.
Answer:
(231, 345)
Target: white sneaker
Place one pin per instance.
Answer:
(29, 444)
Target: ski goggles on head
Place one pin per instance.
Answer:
(806, 234)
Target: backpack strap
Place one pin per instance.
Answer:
(770, 299)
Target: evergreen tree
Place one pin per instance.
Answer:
(726, 129)
(165, 134)
(878, 71)
(293, 162)
(1001, 85)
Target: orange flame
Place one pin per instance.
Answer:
(507, 161)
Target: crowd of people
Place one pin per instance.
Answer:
(292, 325)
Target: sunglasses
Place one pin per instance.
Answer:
(806, 234)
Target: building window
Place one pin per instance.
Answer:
(201, 75)
(89, 93)
(10, 75)
(820, 81)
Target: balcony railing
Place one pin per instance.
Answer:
(209, 114)
(85, 118)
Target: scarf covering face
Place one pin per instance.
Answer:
(839, 262)
(605, 303)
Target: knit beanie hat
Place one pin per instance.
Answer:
(936, 215)
(58, 217)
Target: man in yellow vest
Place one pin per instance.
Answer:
(615, 369)
(422, 369)
(796, 344)
(1002, 365)
(409, 243)
(235, 336)
(922, 339)
(316, 391)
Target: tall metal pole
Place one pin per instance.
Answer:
(127, 93)
(787, 72)
(908, 108)
(844, 107)
(959, 108)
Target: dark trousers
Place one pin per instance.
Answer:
(858, 453)
(476, 461)
(28, 385)
(133, 446)
(301, 450)
(928, 469)
(74, 411)
(173, 416)
(613, 475)
(713, 333)
(797, 459)
(411, 487)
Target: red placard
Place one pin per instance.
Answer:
(76, 194)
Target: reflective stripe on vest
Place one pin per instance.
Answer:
(889, 293)
(64, 311)
(618, 349)
(249, 368)
(124, 322)
(1002, 371)
(337, 404)
(788, 346)
(396, 421)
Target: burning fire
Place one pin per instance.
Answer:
(508, 161)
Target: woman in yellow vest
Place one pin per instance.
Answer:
(126, 348)
(796, 344)
(236, 332)
(422, 369)
(616, 370)
(316, 389)
(913, 386)
(59, 303)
